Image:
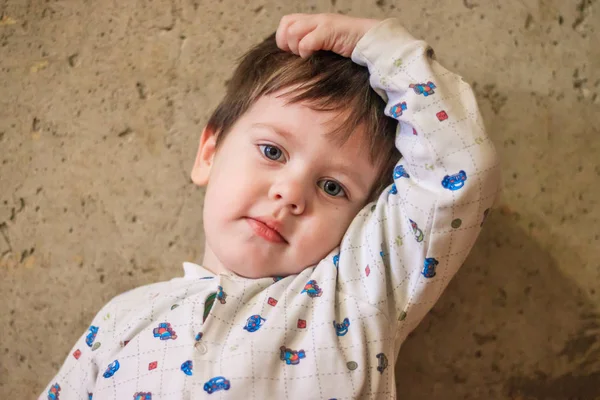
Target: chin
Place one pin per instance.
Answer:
(256, 272)
(249, 267)
(248, 270)
(249, 274)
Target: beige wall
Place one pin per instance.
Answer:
(101, 105)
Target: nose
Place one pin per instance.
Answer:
(290, 193)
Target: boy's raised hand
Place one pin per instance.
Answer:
(303, 34)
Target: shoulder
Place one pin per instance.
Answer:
(141, 296)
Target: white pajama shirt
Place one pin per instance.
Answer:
(334, 330)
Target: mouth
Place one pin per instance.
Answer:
(265, 231)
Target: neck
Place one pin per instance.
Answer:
(211, 262)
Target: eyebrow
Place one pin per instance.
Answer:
(343, 169)
(353, 176)
(279, 131)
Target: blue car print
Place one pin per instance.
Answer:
(142, 396)
(187, 367)
(429, 267)
(54, 392)
(312, 289)
(336, 260)
(111, 369)
(425, 89)
(164, 331)
(215, 384)
(454, 182)
(397, 110)
(291, 357)
(254, 323)
(342, 328)
(400, 172)
(91, 336)
(394, 189)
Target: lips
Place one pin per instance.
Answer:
(266, 230)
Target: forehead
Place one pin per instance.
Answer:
(301, 122)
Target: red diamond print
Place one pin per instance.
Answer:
(77, 354)
(414, 132)
(125, 343)
(367, 270)
(272, 302)
(442, 115)
(301, 324)
(152, 365)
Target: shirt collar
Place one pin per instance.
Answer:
(195, 271)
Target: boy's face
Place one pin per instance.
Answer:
(276, 167)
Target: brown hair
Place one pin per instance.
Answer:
(325, 81)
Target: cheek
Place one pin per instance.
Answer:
(325, 231)
(232, 187)
(222, 198)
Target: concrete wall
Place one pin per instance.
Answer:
(101, 105)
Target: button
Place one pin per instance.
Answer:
(201, 347)
(402, 316)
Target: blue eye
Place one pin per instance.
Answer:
(332, 188)
(271, 152)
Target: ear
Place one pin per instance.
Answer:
(205, 156)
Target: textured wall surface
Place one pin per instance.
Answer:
(101, 106)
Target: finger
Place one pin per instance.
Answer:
(310, 43)
(297, 31)
(282, 30)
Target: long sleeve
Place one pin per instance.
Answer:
(77, 376)
(400, 253)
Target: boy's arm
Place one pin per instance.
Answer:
(424, 226)
(401, 253)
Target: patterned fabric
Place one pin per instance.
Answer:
(335, 329)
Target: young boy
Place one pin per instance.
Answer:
(307, 288)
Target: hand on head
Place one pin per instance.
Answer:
(303, 34)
